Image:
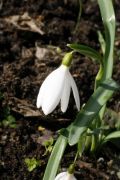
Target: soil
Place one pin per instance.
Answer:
(28, 54)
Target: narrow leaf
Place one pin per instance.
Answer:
(55, 158)
(81, 144)
(86, 51)
(91, 109)
(108, 18)
(111, 136)
(101, 41)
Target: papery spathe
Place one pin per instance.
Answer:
(56, 88)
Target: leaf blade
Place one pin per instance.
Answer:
(111, 136)
(108, 18)
(91, 109)
(55, 158)
(87, 51)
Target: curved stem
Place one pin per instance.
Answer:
(79, 15)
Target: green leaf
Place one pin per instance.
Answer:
(108, 17)
(86, 51)
(81, 144)
(55, 158)
(101, 41)
(91, 109)
(48, 145)
(31, 163)
(111, 136)
(9, 121)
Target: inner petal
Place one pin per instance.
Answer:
(65, 94)
(75, 92)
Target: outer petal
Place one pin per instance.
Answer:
(75, 91)
(66, 93)
(40, 95)
(65, 176)
(53, 86)
(61, 176)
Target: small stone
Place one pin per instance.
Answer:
(100, 160)
(112, 172)
(4, 137)
(110, 163)
(118, 174)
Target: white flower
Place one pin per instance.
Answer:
(56, 88)
(65, 176)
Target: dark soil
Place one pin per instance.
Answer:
(22, 72)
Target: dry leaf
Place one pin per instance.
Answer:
(24, 108)
(25, 22)
(40, 52)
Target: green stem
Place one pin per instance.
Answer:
(79, 15)
(76, 156)
(72, 166)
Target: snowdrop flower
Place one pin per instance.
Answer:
(57, 87)
(65, 176)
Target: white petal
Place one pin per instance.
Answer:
(65, 176)
(40, 96)
(70, 177)
(75, 91)
(66, 93)
(61, 176)
(53, 86)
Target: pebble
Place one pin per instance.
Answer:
(100, 160)
(118, 174)
(4, 137)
